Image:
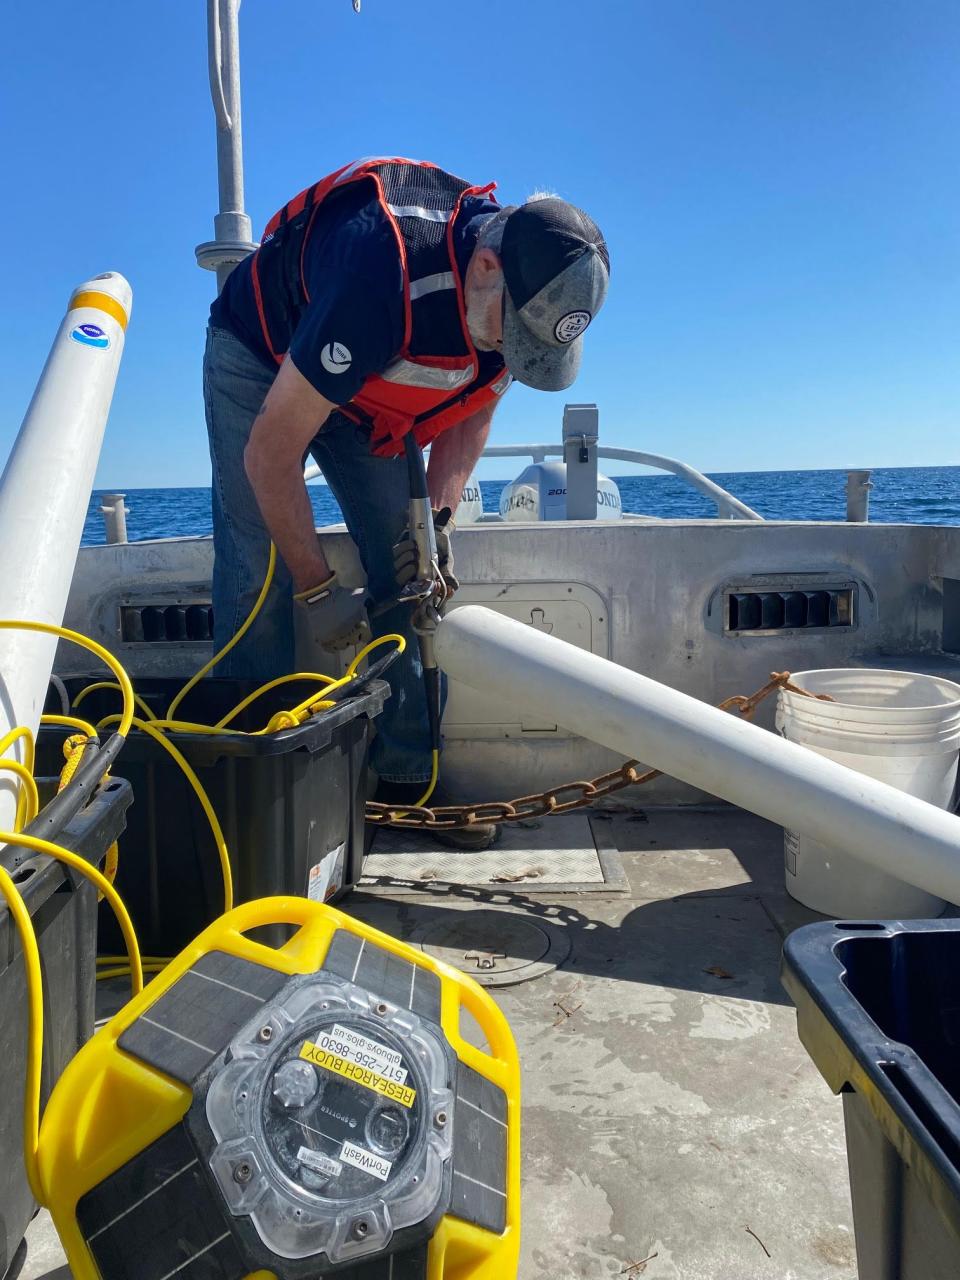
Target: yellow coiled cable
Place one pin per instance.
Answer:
(258, 605)
(31, 958)
(29, 806)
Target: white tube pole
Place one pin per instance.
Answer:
(232, 228)
(45, 493)
(710, 749)
(858, 496)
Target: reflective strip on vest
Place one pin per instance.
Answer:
(418, 211)
(501, 384)
(432, 284)
(409, 374)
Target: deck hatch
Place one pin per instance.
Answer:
(166, 623)
(804, 609)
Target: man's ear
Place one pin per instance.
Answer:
(488, 264)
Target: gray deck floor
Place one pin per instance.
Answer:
(673, 1124)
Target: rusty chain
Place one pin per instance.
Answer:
(568, 796)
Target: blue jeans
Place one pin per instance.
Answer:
(373, 494)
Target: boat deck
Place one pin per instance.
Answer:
(673, 1125)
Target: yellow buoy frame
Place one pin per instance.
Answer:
(108, 1106)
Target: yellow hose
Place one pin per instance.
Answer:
(184, 726)
(146, 960)
(201, 795)
(109, 684)
(123, 971)
(28, 806)
(28, 799)
(265, 688)
(105, 656)
(14, 735)
(70, 722)
(434, 774)
(73, 860)
(31, 1089)
(271, 567)
(31, 959)
(365, 652)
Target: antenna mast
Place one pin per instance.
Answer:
(233, 233)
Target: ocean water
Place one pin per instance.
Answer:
(901, 495)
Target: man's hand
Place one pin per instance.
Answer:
(328, 617)
(405, 553)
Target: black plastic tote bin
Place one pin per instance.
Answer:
(63, 908)
(878, 1010)
(291, 804)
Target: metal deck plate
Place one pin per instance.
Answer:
(497, 949)
(552, 855)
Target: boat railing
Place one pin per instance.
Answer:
(728, 507)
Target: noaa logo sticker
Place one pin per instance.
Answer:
(336, 358)
(572, 325)
(90, 335)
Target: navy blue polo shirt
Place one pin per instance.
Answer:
(353, 324)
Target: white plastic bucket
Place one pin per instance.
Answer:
(896, 726)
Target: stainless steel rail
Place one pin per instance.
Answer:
(728, 507)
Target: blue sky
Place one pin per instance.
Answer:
(778, 181)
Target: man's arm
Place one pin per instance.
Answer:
(289, 418)
(454, 454)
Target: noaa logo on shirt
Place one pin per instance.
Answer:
(572, 325)
(336, 358)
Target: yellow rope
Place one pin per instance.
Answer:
(73, 749)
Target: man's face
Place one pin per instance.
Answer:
(483, 298)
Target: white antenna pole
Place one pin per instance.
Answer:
(231, 226)
(232, 229)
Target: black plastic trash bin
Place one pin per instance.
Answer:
(878, 1010)
(291, 804)
(63, 908)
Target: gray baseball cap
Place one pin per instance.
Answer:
(556, 269)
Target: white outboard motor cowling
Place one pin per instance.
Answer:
(471, 503)
(540, 493)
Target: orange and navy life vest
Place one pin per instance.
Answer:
(434, 381)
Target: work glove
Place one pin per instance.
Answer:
(329, 617)
(405, 552)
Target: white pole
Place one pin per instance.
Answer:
(858, 496)
(710, 749)
(45, 493)
(232, 228)
(114, 511)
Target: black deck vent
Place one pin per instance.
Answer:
(806, 610)
(166, 623)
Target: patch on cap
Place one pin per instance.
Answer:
(572, 325)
